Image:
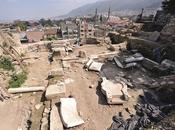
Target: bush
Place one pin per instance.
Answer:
(17, 80)
(6, 64)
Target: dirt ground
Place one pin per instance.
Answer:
(91, 102)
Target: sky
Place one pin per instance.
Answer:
(36, 9)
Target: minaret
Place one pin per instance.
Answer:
(109, 13)
(95, 17)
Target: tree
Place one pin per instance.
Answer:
(44, 22)
(169, 6)
(22, 25)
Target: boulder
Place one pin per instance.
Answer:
(69, 113)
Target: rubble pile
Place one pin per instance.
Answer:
(146, 115)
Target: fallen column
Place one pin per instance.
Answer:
(25, 89)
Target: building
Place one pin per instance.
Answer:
(86, 30)
(51, 33)
(35, 36)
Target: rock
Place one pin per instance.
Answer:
(66, 64)
(69, 113)
(154, 36)
(38, 106)
(43, 120)
(46, 110)
(44, 123)
(163, 83)
(112, 48)
(55, 120)
(82, 54)
(169, 64)
(55, 91)
(68, 81)
(56, 72)
(91, 86)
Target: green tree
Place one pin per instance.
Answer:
(22, 25)
(44, 22)
(169, 6)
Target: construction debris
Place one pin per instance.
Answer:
(69, 114)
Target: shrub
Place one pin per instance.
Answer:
(6, 64)
(17, 80)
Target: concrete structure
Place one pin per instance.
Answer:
(69, 113)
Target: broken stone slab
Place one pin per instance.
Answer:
(149, 64)
(116, 93)
(55, 91)
(25, 89)
(123, 65)
(118, 63)
(168, 63)
(69, 113)
(154, 36)
(55, 120)
(135, 58)
(96, 66)
(93, 65)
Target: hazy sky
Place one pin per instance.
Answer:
(34, 9)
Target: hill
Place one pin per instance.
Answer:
(115, 5)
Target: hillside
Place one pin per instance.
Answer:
(115, 5)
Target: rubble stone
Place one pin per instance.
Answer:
(154, 36)
(55, 91)
(55, 120)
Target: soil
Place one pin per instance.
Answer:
(92, 104)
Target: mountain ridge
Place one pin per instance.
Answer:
(115, 5)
